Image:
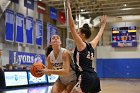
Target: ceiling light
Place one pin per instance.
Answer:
(127, 8)
(124, 5)
(82, 10)
(85, 12)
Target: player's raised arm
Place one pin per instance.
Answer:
(95, 41)
(79, 43)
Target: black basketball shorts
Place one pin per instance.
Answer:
(90, 82)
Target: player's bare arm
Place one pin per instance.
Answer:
(95, 41)
(79, 43)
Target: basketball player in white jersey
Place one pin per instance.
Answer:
(59, 63)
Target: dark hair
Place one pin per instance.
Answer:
(86, 30)
(48, 50)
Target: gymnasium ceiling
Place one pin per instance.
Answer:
(93, 8)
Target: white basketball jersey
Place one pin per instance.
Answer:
(58, 64)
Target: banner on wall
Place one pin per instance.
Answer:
(51, 30)
(9, 25)
(41, 7)
(61, 17)
(39, 32)
(25, 58)
(29, 30)
(29, 4)
(15, 1)
(53, 13)
(19, 28)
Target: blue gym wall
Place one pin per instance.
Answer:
(118, 68)
(118, 63)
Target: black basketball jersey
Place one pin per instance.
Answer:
(84, 58)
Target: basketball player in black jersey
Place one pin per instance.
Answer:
(88, 81)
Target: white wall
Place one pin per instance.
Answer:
(107, 51)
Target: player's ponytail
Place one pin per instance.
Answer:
(86, 30)
(48, 50)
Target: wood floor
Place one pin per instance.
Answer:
(107, 85)
(120, 86)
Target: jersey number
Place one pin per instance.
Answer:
(90, 56)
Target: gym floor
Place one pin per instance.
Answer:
(107, 85)
(120, 86)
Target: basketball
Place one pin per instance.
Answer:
(34, 69)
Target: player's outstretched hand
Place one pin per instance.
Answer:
(103, 20)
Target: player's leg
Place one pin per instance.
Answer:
(58, 87)
(77, 88)
(69, 87)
